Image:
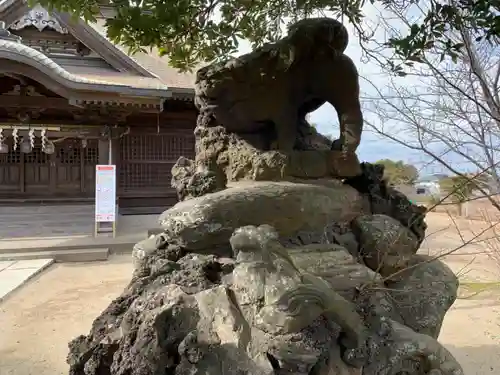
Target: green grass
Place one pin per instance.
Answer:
(472, 289)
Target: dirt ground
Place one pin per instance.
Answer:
(37, 321)
(471, 248)
(476, 209)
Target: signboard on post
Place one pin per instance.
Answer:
(105, 197)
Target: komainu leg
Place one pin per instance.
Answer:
(351, 125)
(344, 97)
(286, 132)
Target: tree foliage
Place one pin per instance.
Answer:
(461, 187)
(189, 31)
(399, 173)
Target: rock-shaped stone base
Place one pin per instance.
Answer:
(269, 311)
(208, 221)
(223, 157)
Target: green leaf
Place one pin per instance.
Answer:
(210, 30)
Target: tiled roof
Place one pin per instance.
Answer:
(22, 53)
(108, 75)
(142, 71)
(154, 64)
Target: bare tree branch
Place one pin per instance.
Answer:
(442, 106)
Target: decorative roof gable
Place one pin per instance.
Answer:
(39, 18)
(19, 59)
(62, 32)
(20, 17)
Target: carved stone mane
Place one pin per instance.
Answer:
(300, 298)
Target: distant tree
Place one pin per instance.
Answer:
(460, 188)
(399, 173)
(449, 112)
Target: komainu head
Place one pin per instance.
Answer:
(319, 32)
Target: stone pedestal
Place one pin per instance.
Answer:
(322, 164)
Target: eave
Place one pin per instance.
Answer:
(20, 53)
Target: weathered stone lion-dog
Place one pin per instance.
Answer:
(280, 83)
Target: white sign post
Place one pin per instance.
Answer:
(105, 197)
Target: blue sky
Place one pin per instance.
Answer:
(373, 147)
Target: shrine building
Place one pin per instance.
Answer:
(71, 99)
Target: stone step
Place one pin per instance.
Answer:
(71, 255)
(119, 245)
(154, 231)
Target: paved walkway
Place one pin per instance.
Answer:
(42, 227)
(13, 274)
(46, 221)
(61, 221)
(39, 228)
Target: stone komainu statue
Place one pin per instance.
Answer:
(277, 85)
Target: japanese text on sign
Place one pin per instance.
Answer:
(105, 193)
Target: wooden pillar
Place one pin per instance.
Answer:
(22, 172)
(115, 159)
(82, 168)
(103, 151)
(115, 152)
